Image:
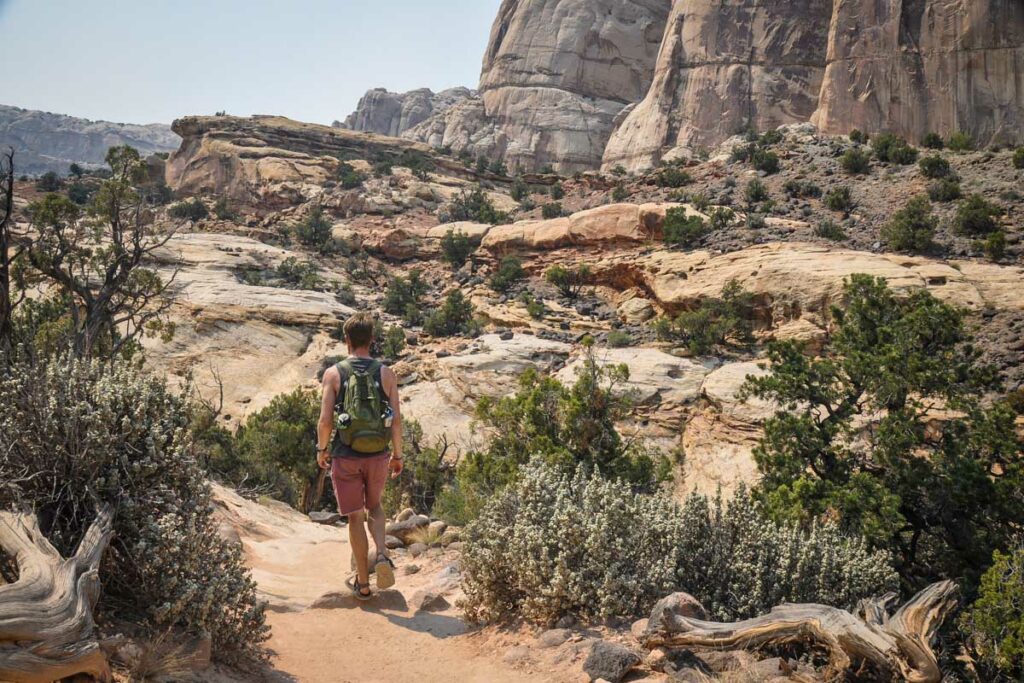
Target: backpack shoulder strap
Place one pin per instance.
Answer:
(344, 372)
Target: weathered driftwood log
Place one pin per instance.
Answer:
(898, 645)
(46, 624)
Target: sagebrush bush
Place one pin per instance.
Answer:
(1018, 158)
(976, 216)
(934, 166)
(912, 228)
(89, 434)
(893, 149)
(557, 543)
(945, 190)
(673, 176)
(995, 623)
(855, 161)
(839, 199)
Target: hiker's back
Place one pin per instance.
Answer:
(362, 409)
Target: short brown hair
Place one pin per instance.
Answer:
(359, 330)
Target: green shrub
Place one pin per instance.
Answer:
(510, 272)
(855, 161)
(78, 434)
(976, 216)
(455, 317)
(756, 192)
(222, 210)
(620, 193)
(771, 137)
(1018, 158)
(551, 210)
(535, 308)
(934, 166)
(995, 622)
(683, 229)
(557, 192)
(619, 339)
(673, 176)
(316, 231)
(714, 323)
(797, 188)
(893, 149)
(619, 170)
(481, 165)
(720, 218)
(49, 182)
(839, 199)
(558, 543)
(570, 283)
(473, 206)
(76, 171)
(932, 141)
(756, 221)
(425, 475)
(960, 142)
(404, 295)
(858, 136)
(393, 343)
(299, 274)
(498, 168)
(194, 210)
(912, 228)
(830, 230)
(79, 193)
(874, 464)
(456, 248)
(349, 177)
(520, 190)
(945, 190)
(417, 162)
(994, 246)
(765, 161)
(273, 446)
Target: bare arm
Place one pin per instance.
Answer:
(390, 382)
(324, 428)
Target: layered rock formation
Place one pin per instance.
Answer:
(51, 142)
(269, 161)
(555, 75)
(388, 113)
(910, 67)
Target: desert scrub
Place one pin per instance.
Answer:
(839, 199)
(934, 167)
(456, 248)
(557, 543)
(1018, 158)
(472, 205)
(912, 228)
(855, 161)
(92, 433)
(995, 623)
(683, 229)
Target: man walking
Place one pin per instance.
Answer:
(361, 407)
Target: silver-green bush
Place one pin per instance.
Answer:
(79, 434)
(554, 544)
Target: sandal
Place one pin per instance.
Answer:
(358, 588)
(384, 568)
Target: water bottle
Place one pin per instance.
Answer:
(389, 417)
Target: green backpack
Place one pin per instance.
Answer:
(363, 401)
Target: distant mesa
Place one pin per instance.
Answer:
(52, 142)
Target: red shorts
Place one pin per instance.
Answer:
(359, 482)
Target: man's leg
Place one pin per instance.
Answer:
(360, 545)
(378, 524)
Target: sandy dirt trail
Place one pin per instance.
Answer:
(295, 562)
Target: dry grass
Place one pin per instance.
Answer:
(158, 658)
(427, 536)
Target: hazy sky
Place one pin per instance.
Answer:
(145, 61)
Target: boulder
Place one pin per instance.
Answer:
(428, 601)
(325, 518)
(405, 514)
(553, 637)
(609, 661)
(437, 528)
(388, 113)
(393, 543)
(636, 311)
(404, 530)
(601, 226)
(417, 549)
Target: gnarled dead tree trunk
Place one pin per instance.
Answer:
(897, 645)
(46, 624)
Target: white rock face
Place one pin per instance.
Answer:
(388, 113)
(655, 377)
(555, 75)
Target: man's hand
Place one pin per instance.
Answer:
(323, 458)
(396, 465)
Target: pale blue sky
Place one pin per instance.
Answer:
(146, 61)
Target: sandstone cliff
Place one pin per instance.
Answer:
(723, 68)
(555, 75)
(908, 66)
(51, 142)
(272, 162)
(388, 113)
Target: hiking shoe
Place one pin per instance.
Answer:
(385, 571)
(357, 589)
